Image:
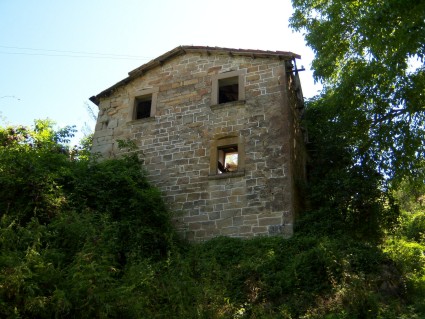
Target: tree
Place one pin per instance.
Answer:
(33, 164)
(370, 56)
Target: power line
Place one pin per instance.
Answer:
(73, 54)
(10, 96)
(76, 52)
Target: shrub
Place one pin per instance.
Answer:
(71, 227)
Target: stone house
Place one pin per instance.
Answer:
(218, 130)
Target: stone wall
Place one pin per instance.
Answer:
(177, 142)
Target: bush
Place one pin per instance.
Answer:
(72, 226)
(87, 239)
(406, 247)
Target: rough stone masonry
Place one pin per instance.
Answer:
(218, 131)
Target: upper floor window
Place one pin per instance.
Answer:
(228, 90)
(143, 105)
(228, 87)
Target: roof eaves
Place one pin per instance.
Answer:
(111, 89)
(140, 71)
(157, 61)
(242, 52)
(283, 55)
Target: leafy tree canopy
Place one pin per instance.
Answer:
(369, 56)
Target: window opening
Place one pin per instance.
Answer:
(227, 159)
(143, 107)
(228, 90)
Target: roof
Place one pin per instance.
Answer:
(181, 50)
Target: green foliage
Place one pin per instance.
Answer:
(369, 56)
(71, 226)
(303, 277)
(410, 193)
(367, 125)
(366, 130)
(83, 150)
(31, 164)
(406, 247)
(87, 239)
(345, 193)
(120, 189)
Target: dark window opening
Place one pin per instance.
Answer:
(227, 159)
(143, 107)
(228, 90)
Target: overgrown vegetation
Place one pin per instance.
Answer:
(70, 229)
(87, 239)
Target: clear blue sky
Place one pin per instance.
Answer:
(54, 55)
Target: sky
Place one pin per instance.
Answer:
(55, 55)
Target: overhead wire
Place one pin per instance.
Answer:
(72, 54)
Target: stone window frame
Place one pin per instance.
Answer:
(230, 74)
(140, 94)
(221, 141)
